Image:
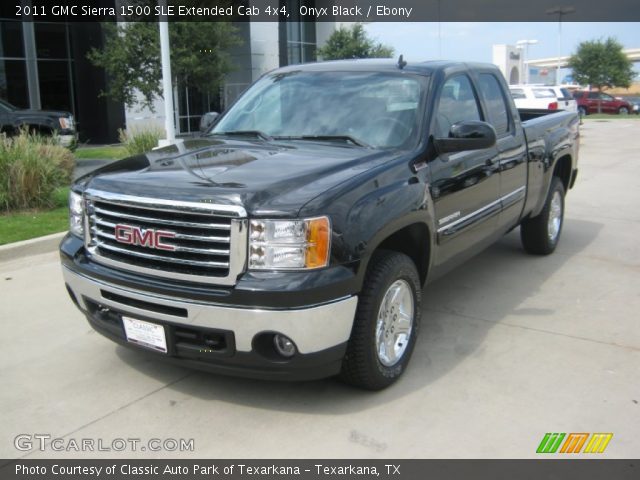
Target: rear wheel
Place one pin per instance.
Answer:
(540, 234)
(386, 323)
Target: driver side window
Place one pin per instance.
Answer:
(457, 103)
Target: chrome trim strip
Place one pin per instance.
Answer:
(469, 216)
(480, 210)
(162, 221)
(514, 193)
(177, 206)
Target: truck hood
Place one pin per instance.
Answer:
(266, 178)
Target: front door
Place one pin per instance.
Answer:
(464, 185)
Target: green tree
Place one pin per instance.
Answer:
(353, 42)
(601, 64)
(131, 58)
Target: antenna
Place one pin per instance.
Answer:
(401, 63)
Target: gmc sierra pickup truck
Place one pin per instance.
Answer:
(43, 122)
(293, 239)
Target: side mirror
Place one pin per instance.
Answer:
(207, 120)
(467, 135)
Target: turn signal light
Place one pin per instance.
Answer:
(317, 254)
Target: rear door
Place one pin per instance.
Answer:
(464, 185)
(511, 159)
(593, 99)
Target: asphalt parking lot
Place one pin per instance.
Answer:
(512, 346)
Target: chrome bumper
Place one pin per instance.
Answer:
(67, 140)
(312, 329)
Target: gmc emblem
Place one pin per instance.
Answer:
(148, 237)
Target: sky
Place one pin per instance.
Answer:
(473, 41)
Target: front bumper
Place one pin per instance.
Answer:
(68, 140)
(222, 338)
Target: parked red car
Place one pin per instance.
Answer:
(588, 103)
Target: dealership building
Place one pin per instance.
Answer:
(43, 65)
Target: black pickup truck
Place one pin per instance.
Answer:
(43, 122)
(294, 238)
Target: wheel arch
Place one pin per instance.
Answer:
(412, 239)
(563, 169)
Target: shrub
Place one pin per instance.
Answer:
(138, 140)
(32, 168)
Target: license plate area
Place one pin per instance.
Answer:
(145, 334)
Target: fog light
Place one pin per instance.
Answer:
(284, 345)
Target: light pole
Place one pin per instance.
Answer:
(525, 44)
(167, 89)
(560, 11)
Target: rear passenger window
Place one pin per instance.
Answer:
(544, 93)
(496, 103)
(457, 103)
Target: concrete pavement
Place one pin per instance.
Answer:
(512, 346)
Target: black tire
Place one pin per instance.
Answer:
(582, 111)
(362, 366)
(536, 233)
(623, 111)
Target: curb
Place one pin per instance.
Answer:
(33, 246)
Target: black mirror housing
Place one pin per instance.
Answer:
(467, 135)
(207, 120)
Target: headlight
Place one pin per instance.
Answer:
(289, 244)
(66, 122)
(76, 214)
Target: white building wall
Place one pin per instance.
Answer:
(508, 58)
(142, 117)
(265, 44)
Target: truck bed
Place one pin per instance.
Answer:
(549, 134)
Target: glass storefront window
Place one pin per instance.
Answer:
(51, 40)
(55, 85)
(13, 82)
(11, 44)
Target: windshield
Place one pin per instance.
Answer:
(365, 108)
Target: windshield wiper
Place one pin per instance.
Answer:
(253, 133)
(346, 138)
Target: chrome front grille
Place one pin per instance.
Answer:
(197, 242)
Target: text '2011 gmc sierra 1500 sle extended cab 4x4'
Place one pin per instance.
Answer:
(293, 239)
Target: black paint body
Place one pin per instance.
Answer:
(398, 199)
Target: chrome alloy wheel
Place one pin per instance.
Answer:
(555, 217)
(395, 323)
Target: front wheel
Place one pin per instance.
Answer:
(582, 111)
(623, 111)
(386, 323)
(540, 234)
